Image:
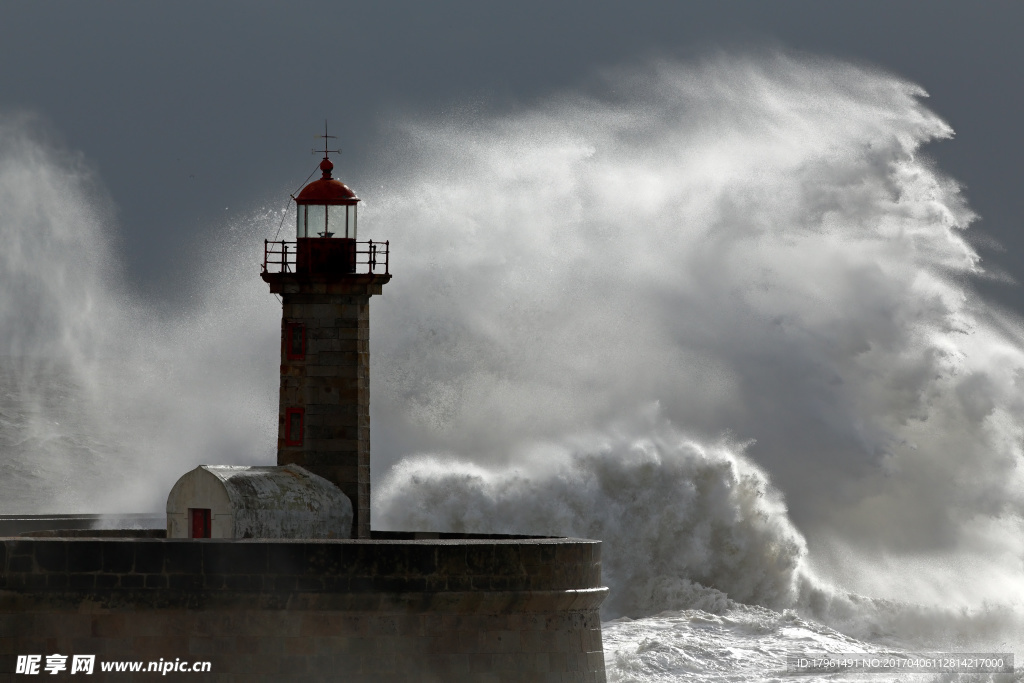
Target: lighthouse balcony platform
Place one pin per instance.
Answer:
(326, 256)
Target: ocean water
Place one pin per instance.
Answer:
(718, 314)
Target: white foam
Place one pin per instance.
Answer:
(683, 524)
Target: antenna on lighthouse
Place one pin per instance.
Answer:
(325, 136)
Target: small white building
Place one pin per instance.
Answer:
(237, 501)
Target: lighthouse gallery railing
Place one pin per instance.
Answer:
(371, 257)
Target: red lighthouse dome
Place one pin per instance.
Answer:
(327, 190)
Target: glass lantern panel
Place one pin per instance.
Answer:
(316, 220)
(352, 221)
(300, 221)
(336, 216)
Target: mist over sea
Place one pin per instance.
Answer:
(718, 315)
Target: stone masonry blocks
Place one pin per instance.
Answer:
(330, 383)
(456, 607)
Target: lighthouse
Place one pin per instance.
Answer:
(325, 279)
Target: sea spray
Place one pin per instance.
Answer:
(56, 267)
(760, 247)
(104, 400)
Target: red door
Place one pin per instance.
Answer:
(200, 522)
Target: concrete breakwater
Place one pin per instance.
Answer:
(396, 607)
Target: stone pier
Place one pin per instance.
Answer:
(398, 608)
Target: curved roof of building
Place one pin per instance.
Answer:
(290, 487)
(326, 190)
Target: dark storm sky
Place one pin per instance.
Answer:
(192, 110)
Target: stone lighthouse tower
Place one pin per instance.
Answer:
(325, 279)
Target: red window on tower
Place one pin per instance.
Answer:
(293, 425)
(295, 341)
(200, 522)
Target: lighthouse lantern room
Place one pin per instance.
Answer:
(326, 207)
(325, 225)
